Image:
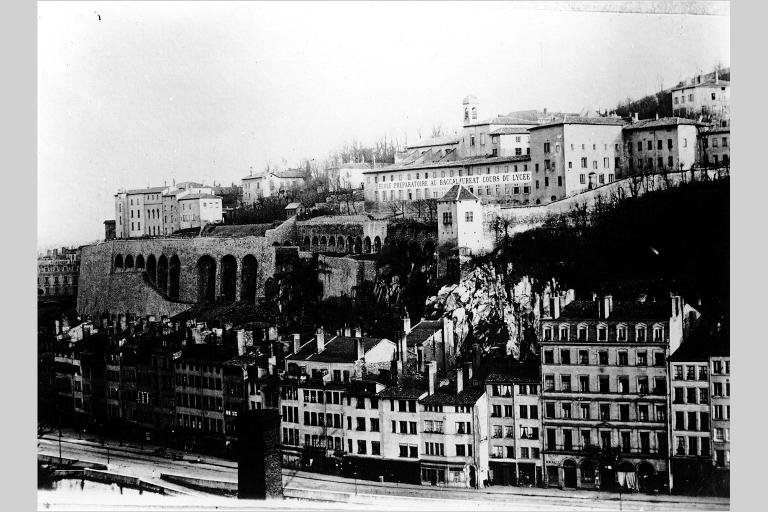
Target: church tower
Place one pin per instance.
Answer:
(469, 107)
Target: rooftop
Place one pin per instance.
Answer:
(707, 83)
(458, 193)
(504, 120)
(447, 395)
(435, 141)
(289, 174)
(605, 121)
(199, 196)
(339, 349)
(423, 331)
(509, 130)
(620, 310)
(647, 124)
(336, 219)
(149, 190)
(409, 390)
(292, 206)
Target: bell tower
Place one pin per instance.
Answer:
(469, 109)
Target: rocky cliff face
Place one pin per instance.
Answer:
(487, 311)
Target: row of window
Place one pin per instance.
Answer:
(692, 372)
(197, 381)
(525, 411)
(622, 358)
(207, 403)
(506, 389)
(606, 412)
(605, 441)
(200, 423)
(618, 333)
(604, 384)
(508, 431)
(692, 420)
(460, 172)
(499, 452)
(690, 395)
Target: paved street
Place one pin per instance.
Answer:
(130, 459)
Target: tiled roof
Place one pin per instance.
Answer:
(509, 130)
(504, 120)
(588, 310)
(199, 196)
(446, 395)
(647, 124)
(435, 141)
(292, 206)
(517, 373)
(458, 193)
(339, 349)
(708, 83)
(254, 177)
(412, 390)
(422, 331)
(717, 131)
(606, 121)
(150, 190)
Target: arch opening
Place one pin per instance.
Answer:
(367, 245)
(174, 275)
(128, 262)
(119, 262)
(229, 277)
(151, 268)
(140, 262)
(248, 279)
(162, 273)
(377, 244)
(206, 279)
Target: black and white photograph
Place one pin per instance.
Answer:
(383, 255)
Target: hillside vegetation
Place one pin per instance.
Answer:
(671, 240)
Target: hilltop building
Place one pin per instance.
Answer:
(58, 271)
(271, 183)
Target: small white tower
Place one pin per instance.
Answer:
(469, 107)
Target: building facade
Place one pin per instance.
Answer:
(657, 145)
(716, 147)
(709, 98)
(58, 271)
(604, 378)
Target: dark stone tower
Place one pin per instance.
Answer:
(259, 468)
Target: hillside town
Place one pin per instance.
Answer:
(372, 308)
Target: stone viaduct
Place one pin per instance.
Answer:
(164, 276)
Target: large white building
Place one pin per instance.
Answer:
(271, 183)
(710, 98)
(157, 211)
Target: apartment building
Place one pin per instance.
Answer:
(155, 211)
(706, 97)
(716, 147)
(604, 377)
(455, 431)
(271, 183)
(432, 340)
(515, 427)
(572, 155)
(655, 145)
(58, 271)
(700, 426)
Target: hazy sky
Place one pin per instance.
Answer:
(193, 91)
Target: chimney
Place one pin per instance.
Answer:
(359, 349)
(469, 373)
(406, 324)
(272, 363)
(554, 307)
(717, 76)
(657, 116)
(399, 370)
(347, 331)
(594, 297)
(296, 343)
(272, 334)
(604, 306)
(240, 342)
(320, 337)
(357, 332)
(635, 117)
(431, 375)
(404, 349)
(459, 380)
(420, 358)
